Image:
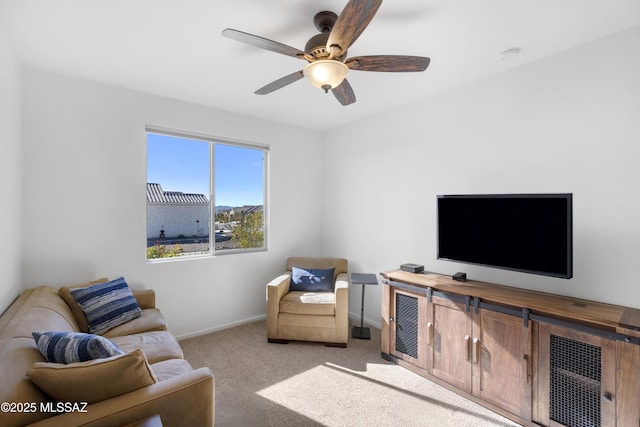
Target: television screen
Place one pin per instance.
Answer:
(531, 233)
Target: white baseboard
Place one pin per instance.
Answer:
(220, 327)
(356, 318)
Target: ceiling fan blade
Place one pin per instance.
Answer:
(354, 18)
(344, 93)
(263, 43)
(388, 63)
(280, 83)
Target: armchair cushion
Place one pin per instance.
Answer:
(311, 303)
(312, 279)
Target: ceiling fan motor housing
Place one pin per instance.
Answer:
(317, 45)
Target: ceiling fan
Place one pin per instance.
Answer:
(326, 53)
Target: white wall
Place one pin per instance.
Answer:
(85, 199)
(10, 171)
(568, 123)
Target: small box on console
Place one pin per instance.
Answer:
(412, 268)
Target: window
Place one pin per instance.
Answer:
(204, 195)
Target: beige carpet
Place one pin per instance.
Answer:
(308, 384)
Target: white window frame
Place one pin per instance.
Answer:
(214, 140)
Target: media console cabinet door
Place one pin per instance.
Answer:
(502, 363)
(577, 377)
(408, 327)
(628, 384)
(451, 349)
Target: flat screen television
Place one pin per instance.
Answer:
(530, 233)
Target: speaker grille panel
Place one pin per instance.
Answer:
(575, 382)
(407, 325)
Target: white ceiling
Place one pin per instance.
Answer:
(175, 48)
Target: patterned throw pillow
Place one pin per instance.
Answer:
(71, 347)
(107, 305)
(78, 314)
(312, 279)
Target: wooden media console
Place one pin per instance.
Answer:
(534, 357)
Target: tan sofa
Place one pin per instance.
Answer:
(309, 316)
(179, 394)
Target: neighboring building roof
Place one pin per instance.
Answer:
(155, 194)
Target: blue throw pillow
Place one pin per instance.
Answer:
(107, 305)
(312, 279)
(71, 347)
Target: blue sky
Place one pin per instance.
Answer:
(180, 164)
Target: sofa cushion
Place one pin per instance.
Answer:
(70, 347)
(107, 305)
(170, 368)
(95, 380)
(157, 346)
(312, 279)
(146, 297)
(65, 293)
(42, 319)
(151, 319)
(312, 303)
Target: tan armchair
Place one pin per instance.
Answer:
(321, 316)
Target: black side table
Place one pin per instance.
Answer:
(360, 332)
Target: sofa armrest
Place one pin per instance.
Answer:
(342, 307)
(146, 298)
(342, 293)
(276, 289)
(279, 286)
(342, 282)
(186, 399)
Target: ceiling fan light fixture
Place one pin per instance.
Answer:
(326, 74)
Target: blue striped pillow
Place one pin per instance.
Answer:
(107, 305)
(71, 347)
